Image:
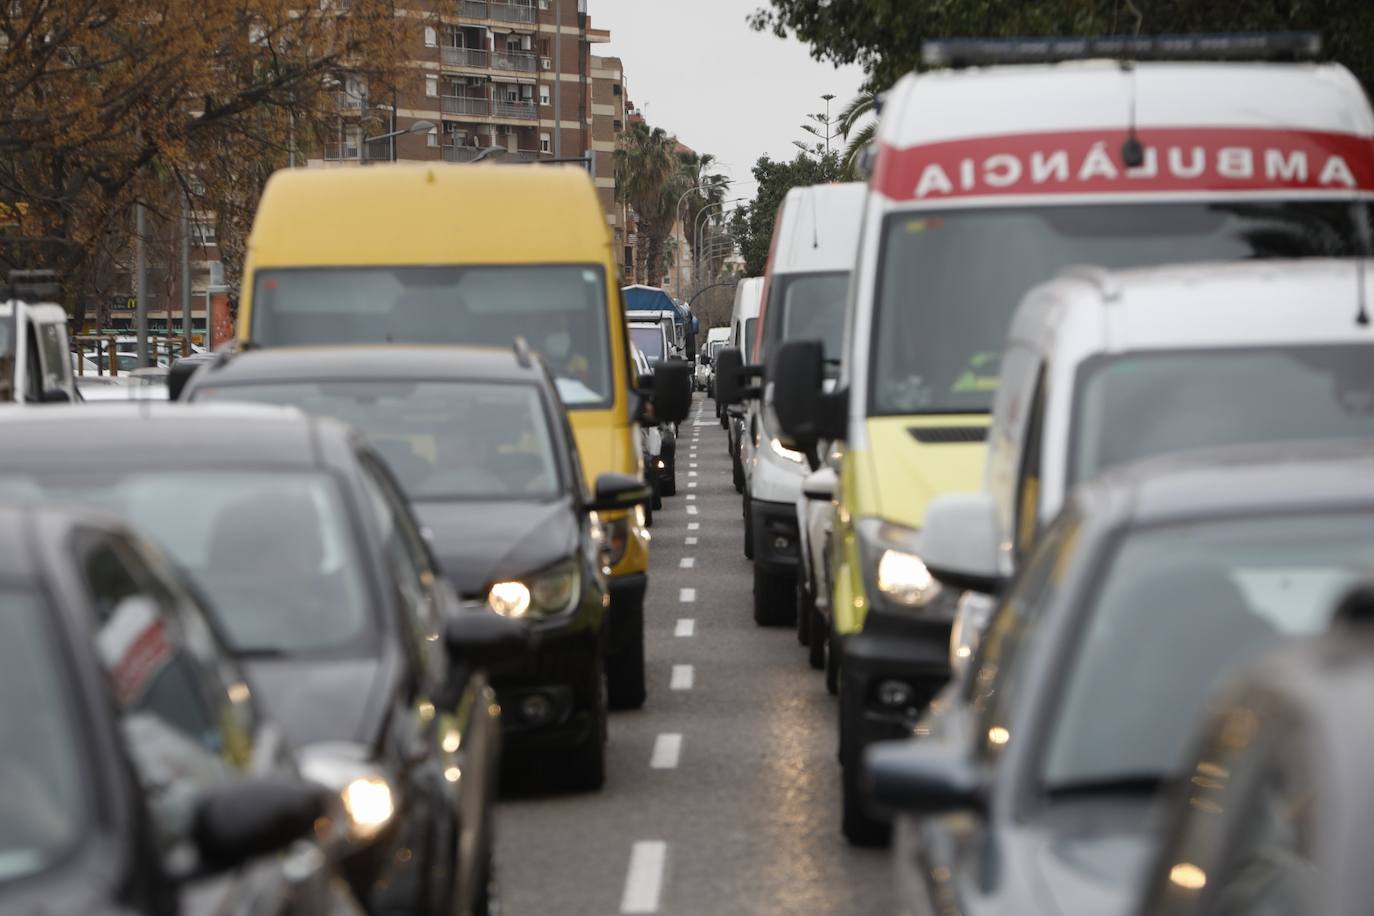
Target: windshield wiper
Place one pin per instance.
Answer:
(1125, 784)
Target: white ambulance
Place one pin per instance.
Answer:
(988, 180)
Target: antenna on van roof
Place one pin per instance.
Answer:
(522, 353)
(815, 220)
(1132, 152)
(1361, 316)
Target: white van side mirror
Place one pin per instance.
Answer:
(961, 542)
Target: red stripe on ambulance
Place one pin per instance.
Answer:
(1090, 161)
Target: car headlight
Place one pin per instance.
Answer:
(549, 592)
(783, 451)
(893, 565)
(365, 793)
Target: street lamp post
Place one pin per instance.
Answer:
(676, 210)
(419, 127)
(699, 225)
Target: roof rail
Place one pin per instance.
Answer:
(1238, 46)
(522, 353)
(1106, 281)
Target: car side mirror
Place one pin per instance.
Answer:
(482, 637)
(961, 542)
(179, 374)
(56, 396)
(806, 412)
(619, 492)
(672, 391)
(733, 377)
(922, 777)
(255, 817)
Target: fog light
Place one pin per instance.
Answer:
(781, 544)
(894, 694)
(536, 709)
(659, 464)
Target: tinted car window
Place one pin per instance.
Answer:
(649, 340)
(43, 808)
(1180, 607)
(442, 440)
(809, 307)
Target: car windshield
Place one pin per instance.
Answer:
(649, 340)
(809, 307)
(43, 809)
(1180, 607)
(950, 281)
(273, 552)
(1141, 404)
(443, 440)
(559, 310)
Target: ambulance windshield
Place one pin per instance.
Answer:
(949, 281)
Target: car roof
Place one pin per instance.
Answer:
(1088, 310)
(1244, 480)
(161, 435)
(370, 361)
(817, 230)
(944, 105)
(427, 214)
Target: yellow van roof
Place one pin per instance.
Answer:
(429, 214)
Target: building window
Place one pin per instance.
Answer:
(543, 95)
(615, 89)
(432, 136)
(431, 37)
(617, 124)
(545, 143)
(431, 86)
(203, 233)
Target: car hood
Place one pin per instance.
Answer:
(318, 700)
(1090, 861)
(908, 473)
(477, 543)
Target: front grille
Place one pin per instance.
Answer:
(939, 435)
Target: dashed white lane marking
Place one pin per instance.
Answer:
(691, 510)
(687, 563)
(694, 526)
(691, 541)
(691, 473)
(691, 496)
(691, 483)
(684, 676)
(686, 626)
(667, 752)
(692, 465)
(687, 595)
(644, 880)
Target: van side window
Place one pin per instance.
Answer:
(1028, 475)
(33, 366)
(56, 363)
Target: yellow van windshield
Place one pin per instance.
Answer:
(561, 311)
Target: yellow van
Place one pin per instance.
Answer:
(468, 254)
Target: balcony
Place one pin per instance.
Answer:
(522, 110)
(461, 153)
(512, 12)
(476, 9)
(462, 57)
(376, 151)
(514, 60)
(465, 105)
(349, 101)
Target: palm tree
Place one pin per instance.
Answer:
(862, 105)
(646, 170)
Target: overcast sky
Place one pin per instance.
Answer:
(696, 69)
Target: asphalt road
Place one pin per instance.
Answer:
(722, 794)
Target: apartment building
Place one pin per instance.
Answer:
(609, 107)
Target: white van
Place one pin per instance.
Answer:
(805, 290)
(35, 356)
(743, 320)
(989, 179)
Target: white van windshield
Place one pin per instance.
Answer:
(809, 307)
(559, 310)
(949, 281)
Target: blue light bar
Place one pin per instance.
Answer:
(1241, 46)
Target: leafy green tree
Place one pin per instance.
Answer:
(884, 36)
(752, 225)
(854, 114)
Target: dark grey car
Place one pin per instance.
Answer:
(316, 572)
(1033, 783)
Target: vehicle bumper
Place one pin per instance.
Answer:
(914, 653)
(549, 696)
(776, 544)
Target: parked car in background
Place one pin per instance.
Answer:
(35, 365)
(316, 572)
(1272, 814)
(1154, 583)
(652, 437)
(743, 322)
(475, 432)
(341, 256)
(660, 467)
(140, 774)
(716, 339)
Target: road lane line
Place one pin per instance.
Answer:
(692, 464)
(691, 496)
(684, 676)
(644, 879)
(667, 752)
(687, 595)
(691, 541)
(694, 526)
(691, 484)
(691, 473)
(691, 510)
(687, 563)
(686, 626)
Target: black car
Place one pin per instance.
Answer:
(139, 776)
(482, 448)
(1033, 781)
(316, 572)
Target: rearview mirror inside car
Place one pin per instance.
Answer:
(619, 491)
(248, 818)
(672, 391)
